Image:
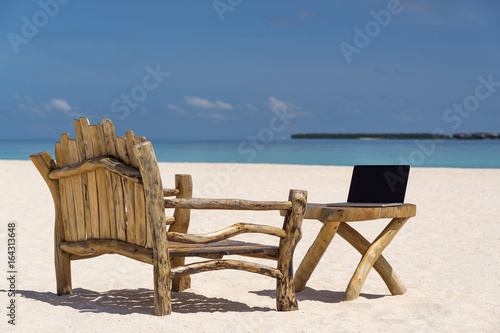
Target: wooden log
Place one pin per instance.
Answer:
(184, 189)
(84, 177)
(171, 192)
(153, 190)
(139, 139)
(130, 141)
(77, 257)
(92, 196)
(314, 254)
(108, 148)
(140, 209)
(102, 186)
(222, 248)
(44, 164)
(109, 138)
(79, 139)
(128, 191)
(382, 266)
(68, 190)
(371, 256)
(119, 204)
(121, 149)
(118, 170)
(140, 215)
(213, 265)
(96, 247)
(79, 204)
(62, 192)
(169, 220)
(234, 230)
(227, 204)
(128, 194)
(285, 291)
(95, 163)
(116, 181)
(136, 227)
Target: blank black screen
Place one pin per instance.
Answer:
(379, 183)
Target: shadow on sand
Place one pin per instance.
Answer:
(130, 301)
(325, 296)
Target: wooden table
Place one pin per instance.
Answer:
(333, 219)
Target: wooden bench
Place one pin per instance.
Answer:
(109, 199)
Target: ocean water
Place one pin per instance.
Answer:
(424, 153)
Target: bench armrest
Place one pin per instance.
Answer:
(226, 204)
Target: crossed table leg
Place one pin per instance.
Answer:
(372, 256)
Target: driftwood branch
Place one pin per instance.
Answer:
(285, 291)
(45, 164)
(95, 247)
(184, 188)
(167, 192)
(92, 164)
(226, 233)
(227, 204)
(213, 265)
(153, 192)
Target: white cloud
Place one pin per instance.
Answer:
(224, 106)
(27, 106)
(289, 108)
(175, 108)
(251, 107)
(59, 105)
(206, 104)
(277, 104)
(198, 102)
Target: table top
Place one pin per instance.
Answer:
(326, 213)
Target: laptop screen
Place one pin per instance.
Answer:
(378, 183)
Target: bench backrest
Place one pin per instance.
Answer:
(101, 204)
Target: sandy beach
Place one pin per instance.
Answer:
(447, 257)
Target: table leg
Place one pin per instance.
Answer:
(371, 256)
(383, 267)
(314, 254)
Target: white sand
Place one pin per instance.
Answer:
(447, 257)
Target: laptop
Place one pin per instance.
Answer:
(376, 186)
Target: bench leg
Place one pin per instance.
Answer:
(314, 254)
(62, 260)
(285, 286)
(63, 272)
(371, 256)
(285, 295)
(182, 216)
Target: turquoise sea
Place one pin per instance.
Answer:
(418, 153)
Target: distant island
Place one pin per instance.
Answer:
(368, 136)
(476, 136)
(396, 136)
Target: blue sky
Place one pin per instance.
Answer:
(224, 69)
